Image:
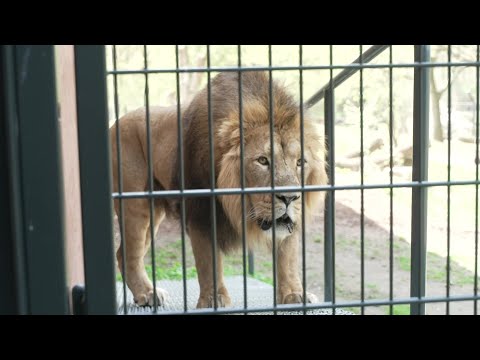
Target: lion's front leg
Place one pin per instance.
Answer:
(202, 251)
(137, 243)
(290, 289)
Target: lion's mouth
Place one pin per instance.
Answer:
(283, 220)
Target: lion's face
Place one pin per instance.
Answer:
(258, 165)
(288, 172)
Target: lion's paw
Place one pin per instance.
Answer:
(297, 298)
(147, 299)
(207, 301)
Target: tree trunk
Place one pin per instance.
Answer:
(435, 97)
(189, 81)
(437, 123)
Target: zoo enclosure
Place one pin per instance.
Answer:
(419, 183)
(99, 295)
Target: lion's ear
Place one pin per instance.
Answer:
(228, 133)
(229, 177)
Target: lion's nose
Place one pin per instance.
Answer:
(287, 199)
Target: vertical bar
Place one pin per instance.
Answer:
(302, 157)
(242, 177)
(182, 181)
(390, 129)
(329, 214)
(362, 198)
(419, 173)
(9, 299)
(212, 183)
(41, 179)
(272, 175)
(477, 135)
(449, 154)
(150, 179)
(13, 271)
(95, 179)
(251, 262)
(121, 216)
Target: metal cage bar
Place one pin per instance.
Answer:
(302, 180)
(95, 179)
(347, 72)
(390, 136)
(329, 213)
(258, 190)
(181, 171)
(121, 215)
(449, 177)
(419, 173)
(350, 66)
(271, 115)
(41, 179)
(13, 277)
(477, 158)
(151, 209)
(362, 194)
(213, 200)
(245, 252)
(328, 305)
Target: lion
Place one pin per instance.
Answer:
(225, 117)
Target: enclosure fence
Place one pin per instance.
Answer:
(33, 263)
(96, 215)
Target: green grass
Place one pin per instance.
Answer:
(403, 309)
(168, 266)
(404, 263)
(457, 276)
(400, 243)
(262, 277)
(355, 310)
(437, 271)
(174, 272)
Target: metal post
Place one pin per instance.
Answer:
(34, 180)
(419, 173)
(12, 267)
(41, 175)
(251, 262)
(95, 178)
(329, 218)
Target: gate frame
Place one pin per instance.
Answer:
(32, 253)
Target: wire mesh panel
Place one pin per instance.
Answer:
(315, 158)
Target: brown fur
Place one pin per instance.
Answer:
(225, 125)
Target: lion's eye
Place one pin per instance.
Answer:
(263, 160)
(299, 162)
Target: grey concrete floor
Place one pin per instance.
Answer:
(259, 295)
